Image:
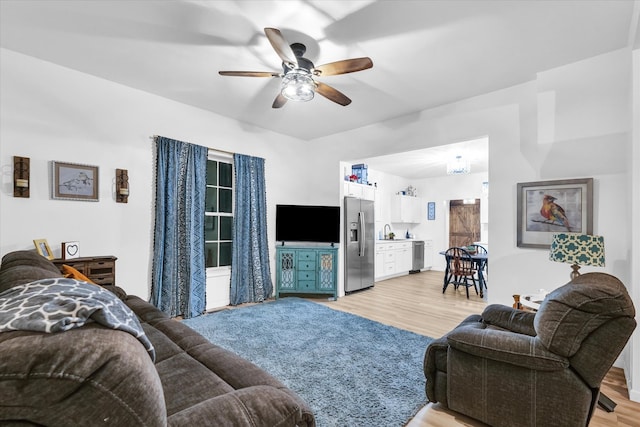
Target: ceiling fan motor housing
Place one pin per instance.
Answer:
(298, 50)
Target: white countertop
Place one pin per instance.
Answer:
(398, 241)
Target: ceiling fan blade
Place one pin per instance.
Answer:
(249, 73)
(343, 67)
(332, 94)
(279, 101)
(281, 46)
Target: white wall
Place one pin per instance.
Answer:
(53, 113)
(632, 370)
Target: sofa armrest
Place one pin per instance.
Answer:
(509, 318)
(508, 347)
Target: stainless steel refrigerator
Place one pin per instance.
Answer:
(359, 244)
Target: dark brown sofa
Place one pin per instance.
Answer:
(512, 368)
(93, 375)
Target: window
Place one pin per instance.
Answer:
(218, 224)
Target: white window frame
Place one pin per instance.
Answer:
(220, 156)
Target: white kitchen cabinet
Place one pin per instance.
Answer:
(389, 266)
(361, 191)
(385, 260)
(393, 258)
(352, 189)
(428, 254)
(369, 192)
(379, 262)
(404, 258)
(406, 209)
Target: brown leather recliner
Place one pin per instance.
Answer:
(513, 368)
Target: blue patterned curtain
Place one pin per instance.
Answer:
(178, 271)
(250, 272)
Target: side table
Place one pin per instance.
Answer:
(529, 302)
(100, 269)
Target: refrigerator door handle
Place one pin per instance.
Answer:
(361, 239)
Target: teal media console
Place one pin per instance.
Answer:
(306, 270)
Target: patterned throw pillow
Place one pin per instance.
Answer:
(72, 273)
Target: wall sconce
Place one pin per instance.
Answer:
(20, 176)
(122, 186)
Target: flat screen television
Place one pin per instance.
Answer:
(303, 223)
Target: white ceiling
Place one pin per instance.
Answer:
(431, 162)
(425, 53)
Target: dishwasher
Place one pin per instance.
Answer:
(418, 257)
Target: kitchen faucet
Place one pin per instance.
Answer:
(386, 235)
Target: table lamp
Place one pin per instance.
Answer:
(577, 249)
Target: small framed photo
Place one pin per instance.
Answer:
(72, 181)
(549, 207)
(70, 250)
(43, 248)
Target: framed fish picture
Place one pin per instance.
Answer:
(549, 207)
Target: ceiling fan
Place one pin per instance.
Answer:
(298, 83)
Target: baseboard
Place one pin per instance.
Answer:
(634, 394)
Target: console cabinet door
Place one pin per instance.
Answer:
(286, 271)
(327, 270)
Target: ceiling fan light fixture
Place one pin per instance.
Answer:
(298, 85)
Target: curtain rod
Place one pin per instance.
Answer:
(215, 149)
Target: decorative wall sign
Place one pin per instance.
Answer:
(431, 211)
(70, 250)
(72, 181)
(549, 207)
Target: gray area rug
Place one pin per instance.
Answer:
(351, 371)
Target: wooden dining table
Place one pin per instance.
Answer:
(479, 259)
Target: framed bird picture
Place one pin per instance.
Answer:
(549, 207)
(73, 181)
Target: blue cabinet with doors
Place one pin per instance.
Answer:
(306, 270)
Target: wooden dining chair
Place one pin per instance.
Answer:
(481, 265)
(461, 269)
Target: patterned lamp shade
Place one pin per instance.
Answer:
(577, 249)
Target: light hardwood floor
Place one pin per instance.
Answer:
(416, 303)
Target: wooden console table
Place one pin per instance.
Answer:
(100, 269)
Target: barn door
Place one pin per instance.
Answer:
(464, 222)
